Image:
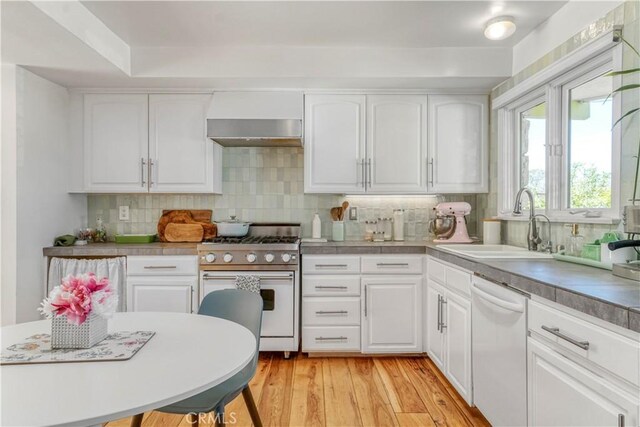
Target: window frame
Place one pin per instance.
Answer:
(552, 86)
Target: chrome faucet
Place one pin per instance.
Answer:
(532, 234)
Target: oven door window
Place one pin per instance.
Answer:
(268, 299)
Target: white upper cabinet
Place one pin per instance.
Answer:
(181, 156)
(115, 143)
(396, 143)
(458, 144)
(334, 144)
(138, 143)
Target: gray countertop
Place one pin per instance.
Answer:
(590, 290)
(115, 249)
(587, 289)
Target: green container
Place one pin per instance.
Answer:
(135, 238)
(591, 251)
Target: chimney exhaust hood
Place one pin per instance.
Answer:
(256, 119)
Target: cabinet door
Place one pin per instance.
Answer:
(435, 338)
(115, 143)
(334, 144)
(391, 321)
(397, 143)
(174, 294)
(457, 329)
(563, 393)
(458, 144)
(182, 159)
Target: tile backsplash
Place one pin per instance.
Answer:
(266, 185)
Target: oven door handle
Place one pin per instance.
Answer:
(230, 277)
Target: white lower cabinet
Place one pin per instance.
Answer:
(162, 283)
(448, 323)
(368, 304)
(391, 321)
(168, 294)
(564, 393)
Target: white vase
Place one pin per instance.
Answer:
(70, 335)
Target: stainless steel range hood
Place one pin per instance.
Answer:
(255, 132)
(256, 119)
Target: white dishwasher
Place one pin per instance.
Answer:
(499, 352)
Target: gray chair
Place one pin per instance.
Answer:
(241, 307)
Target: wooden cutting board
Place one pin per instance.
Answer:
(200, 215)
(183, 232)
(185, 216)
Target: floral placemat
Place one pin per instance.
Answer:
(37, 349)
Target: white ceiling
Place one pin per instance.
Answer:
(408, 24)
(271, 44)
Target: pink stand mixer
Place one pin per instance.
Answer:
(450, 225)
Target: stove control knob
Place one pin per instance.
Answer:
(210, 257)
(269, 257)
(251, 257)
(227, 257)
(286, 257)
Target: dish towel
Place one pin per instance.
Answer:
(248, 283)
(113, 269)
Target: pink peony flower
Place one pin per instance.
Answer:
(78, 296)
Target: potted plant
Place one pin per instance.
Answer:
(79, 308)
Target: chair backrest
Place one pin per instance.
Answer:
(242, 307)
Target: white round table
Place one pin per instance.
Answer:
(188, 354)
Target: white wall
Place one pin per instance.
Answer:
(569, 20)
(44, 208)
(8, 196)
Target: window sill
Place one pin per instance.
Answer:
(564, 219)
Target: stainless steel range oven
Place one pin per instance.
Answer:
(271, 253)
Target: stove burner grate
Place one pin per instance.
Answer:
(261, 240)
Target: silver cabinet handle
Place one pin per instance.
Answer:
(142, 165)
(360, 163)
(442, 324)
(332, 312)
(331, 266)
(330, 287)
(431, 170)
(369, 171)
(556, 331)
(149, 267)
(331, 338)
(151, 164)
(365, 300)
(620, 420)
(439, 311)
(392, 264)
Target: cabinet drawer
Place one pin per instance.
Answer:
(392, 265)
(331, 311)
(186, 265)
(330, 285)
(331, 338)
(435, 270)
(316, 264)
(612, 351)
(458, 280)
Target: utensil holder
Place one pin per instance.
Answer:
(337, 231)
(70, 335)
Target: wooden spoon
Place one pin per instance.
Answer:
(345, 206)
(334, 214)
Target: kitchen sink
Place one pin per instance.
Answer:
(493, 251)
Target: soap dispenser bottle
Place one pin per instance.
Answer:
(574, 242)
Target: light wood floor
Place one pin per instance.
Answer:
(359, 391)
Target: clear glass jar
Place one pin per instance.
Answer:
(378, 236)
(386, 227)
(369, 228)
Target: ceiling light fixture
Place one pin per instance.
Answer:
(499, 28)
